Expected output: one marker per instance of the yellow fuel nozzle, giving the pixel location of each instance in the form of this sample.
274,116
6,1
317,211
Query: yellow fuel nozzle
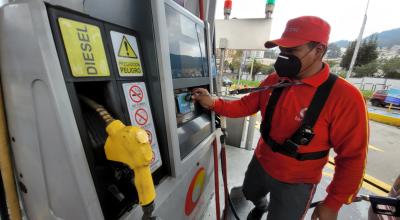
130,145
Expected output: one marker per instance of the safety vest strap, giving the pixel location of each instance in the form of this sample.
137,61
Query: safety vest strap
304,133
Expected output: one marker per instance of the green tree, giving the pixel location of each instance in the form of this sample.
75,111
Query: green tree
331,63
267,69
367,52
342,74
237,55
333,51
257,66
366,70
391,68
346,58
234,66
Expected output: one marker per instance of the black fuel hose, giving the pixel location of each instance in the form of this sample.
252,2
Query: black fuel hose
222,139
263,88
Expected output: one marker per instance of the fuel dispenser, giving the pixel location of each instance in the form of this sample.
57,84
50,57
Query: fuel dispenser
138,59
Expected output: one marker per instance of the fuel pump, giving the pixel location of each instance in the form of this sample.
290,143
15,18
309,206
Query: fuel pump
116,54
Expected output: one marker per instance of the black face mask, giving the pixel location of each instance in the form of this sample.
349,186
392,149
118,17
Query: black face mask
287,65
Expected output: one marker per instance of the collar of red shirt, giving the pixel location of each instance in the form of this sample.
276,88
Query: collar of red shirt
318,78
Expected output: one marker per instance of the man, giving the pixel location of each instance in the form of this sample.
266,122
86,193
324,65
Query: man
289,159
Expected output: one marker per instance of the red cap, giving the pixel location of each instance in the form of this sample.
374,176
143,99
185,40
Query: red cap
302,30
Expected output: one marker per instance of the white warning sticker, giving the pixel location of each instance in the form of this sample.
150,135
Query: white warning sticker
140,114
126,53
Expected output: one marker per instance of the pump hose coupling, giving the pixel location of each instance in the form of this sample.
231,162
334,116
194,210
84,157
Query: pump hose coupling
104,114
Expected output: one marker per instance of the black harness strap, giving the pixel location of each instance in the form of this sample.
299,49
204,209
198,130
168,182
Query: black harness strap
269,112
318,101
290,146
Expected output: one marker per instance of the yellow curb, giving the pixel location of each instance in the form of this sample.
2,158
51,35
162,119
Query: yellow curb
375,181
384,119
375,148
373,189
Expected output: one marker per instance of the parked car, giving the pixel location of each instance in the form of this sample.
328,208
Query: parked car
226,81
378,98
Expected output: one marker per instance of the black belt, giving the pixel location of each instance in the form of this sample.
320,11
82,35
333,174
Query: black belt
290,151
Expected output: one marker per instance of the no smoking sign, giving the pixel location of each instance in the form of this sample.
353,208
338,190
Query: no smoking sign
137,104
141,116
136,94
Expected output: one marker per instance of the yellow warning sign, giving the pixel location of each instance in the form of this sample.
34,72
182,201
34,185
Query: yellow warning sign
126,53
85,50
125,49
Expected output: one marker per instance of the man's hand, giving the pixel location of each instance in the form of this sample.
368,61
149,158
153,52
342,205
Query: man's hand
322,212
203,97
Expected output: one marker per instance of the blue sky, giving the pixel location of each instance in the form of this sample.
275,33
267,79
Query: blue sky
344,16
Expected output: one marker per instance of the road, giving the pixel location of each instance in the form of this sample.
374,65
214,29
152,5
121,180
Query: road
383,152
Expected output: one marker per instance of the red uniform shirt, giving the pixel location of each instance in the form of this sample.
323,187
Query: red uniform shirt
342,125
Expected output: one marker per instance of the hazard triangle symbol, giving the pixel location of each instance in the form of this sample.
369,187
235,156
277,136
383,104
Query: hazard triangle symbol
125,49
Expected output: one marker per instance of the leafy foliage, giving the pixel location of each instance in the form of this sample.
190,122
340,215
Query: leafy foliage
333,51
234,66
259,67
366,70
391,68
367,53
331,63
248,83
267,69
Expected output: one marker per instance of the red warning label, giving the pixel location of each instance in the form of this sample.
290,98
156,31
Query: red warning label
150,136
136,94
141,116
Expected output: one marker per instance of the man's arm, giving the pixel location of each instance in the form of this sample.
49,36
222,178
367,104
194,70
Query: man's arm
247,105
349,134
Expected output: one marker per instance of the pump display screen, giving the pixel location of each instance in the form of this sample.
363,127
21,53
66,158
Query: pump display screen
187,46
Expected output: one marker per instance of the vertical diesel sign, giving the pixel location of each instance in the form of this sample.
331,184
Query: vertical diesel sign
85,50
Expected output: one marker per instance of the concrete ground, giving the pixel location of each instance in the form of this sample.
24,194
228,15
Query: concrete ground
384,152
